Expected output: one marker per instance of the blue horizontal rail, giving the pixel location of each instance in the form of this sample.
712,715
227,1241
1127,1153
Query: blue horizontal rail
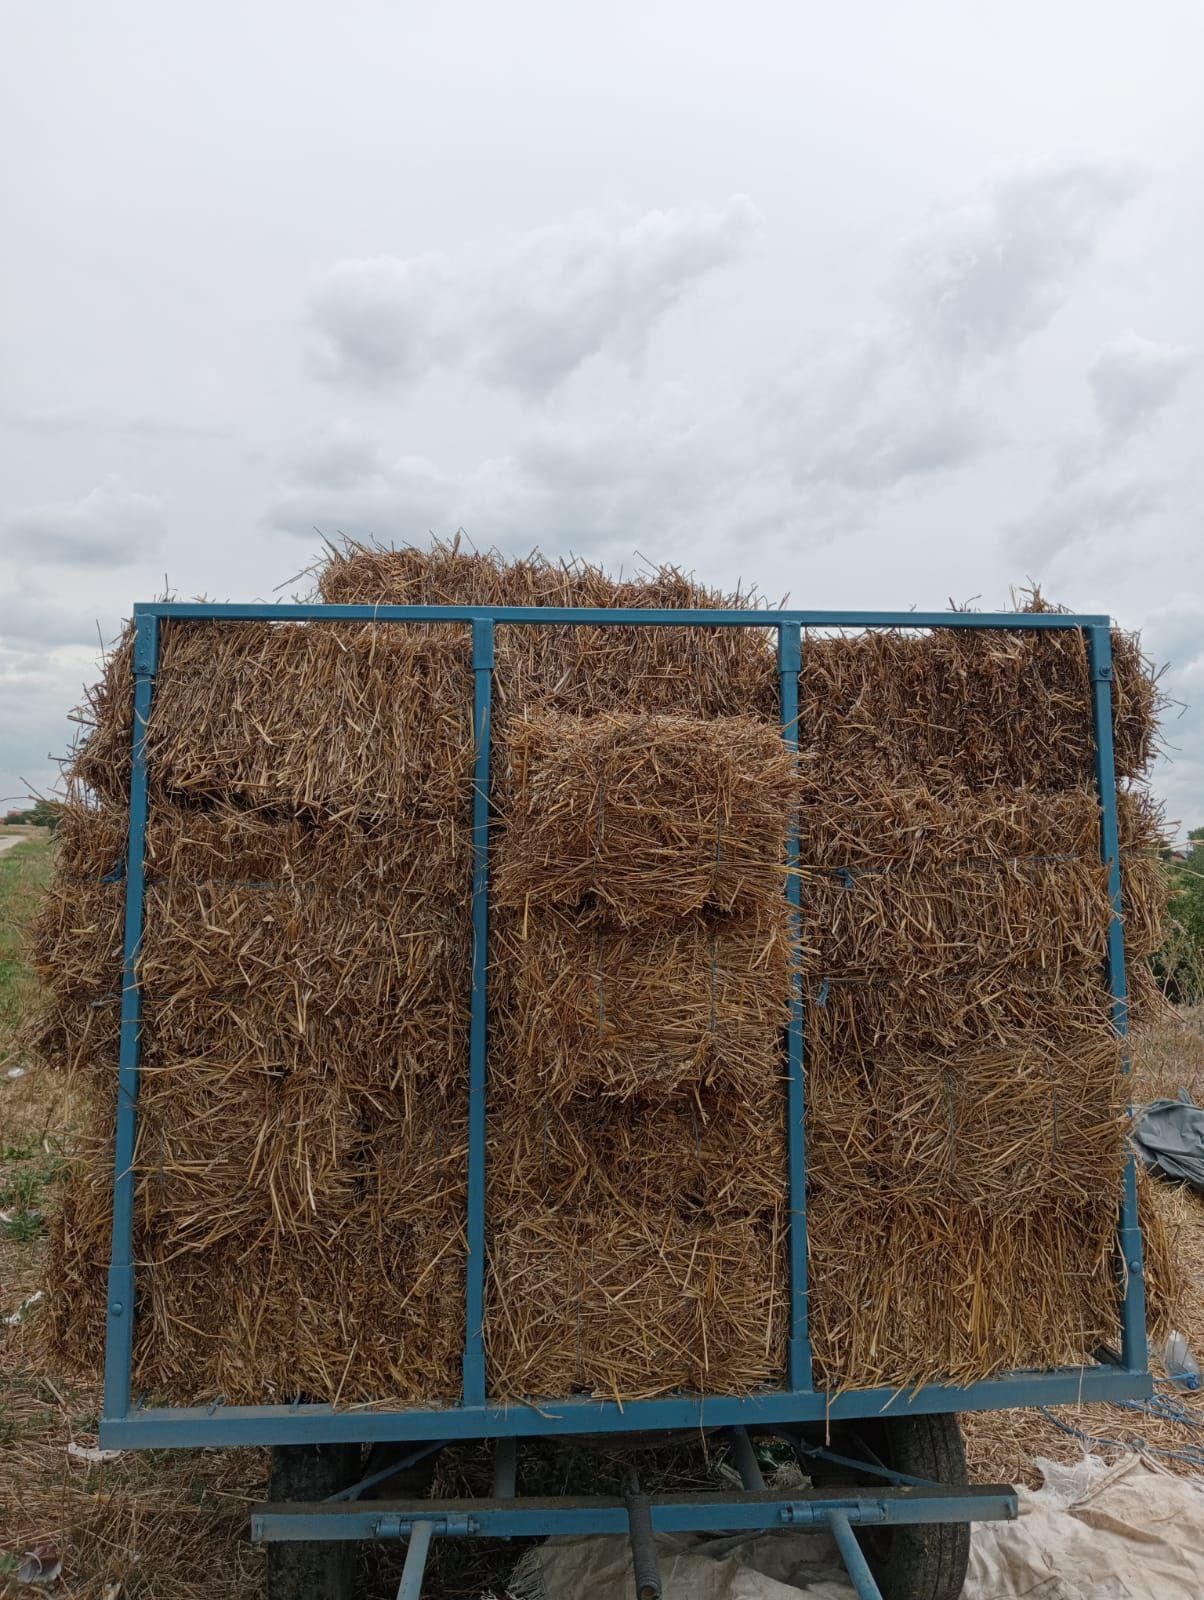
156,1427
580,1515
583,617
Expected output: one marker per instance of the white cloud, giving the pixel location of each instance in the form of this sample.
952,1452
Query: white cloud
111,524
996,268
525,310
1132,380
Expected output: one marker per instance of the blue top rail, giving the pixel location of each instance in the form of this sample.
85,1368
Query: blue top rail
176,610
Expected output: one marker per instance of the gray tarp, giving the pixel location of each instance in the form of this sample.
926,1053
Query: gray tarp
1169,1135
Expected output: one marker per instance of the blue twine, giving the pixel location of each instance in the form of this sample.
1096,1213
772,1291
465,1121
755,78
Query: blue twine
1162,1406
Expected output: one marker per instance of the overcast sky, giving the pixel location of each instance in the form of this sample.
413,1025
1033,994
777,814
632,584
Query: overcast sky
877,304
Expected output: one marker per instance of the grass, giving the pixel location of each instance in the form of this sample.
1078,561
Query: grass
173,1524
32,1138
24,873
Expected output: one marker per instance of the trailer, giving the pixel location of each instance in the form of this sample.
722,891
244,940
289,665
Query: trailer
886,1467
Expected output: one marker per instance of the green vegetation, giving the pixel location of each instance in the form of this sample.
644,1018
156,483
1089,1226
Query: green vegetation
1181,963
24,874
30,1159
42,814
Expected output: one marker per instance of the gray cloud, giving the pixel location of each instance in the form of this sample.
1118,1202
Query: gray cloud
525,310
32,616
39,683
659,475
1132,380
991,271
865,422
1082,513
51,423
1173,634
111,524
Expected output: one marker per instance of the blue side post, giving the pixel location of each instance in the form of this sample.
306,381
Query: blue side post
474,1347
1134,1347
853,1556
416,1557
119,1338
790,663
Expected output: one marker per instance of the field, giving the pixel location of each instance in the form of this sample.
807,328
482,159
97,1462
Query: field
172,1525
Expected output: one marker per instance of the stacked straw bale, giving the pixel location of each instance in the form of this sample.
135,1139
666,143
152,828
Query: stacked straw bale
965,1094
300,1166
307,969
644,972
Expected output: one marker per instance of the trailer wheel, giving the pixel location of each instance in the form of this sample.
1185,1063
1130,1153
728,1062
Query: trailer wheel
926,1561
300,1570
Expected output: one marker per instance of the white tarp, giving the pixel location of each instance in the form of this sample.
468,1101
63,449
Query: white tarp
1093,1531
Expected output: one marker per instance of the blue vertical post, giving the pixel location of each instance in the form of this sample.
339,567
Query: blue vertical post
790,662
119,1335
1099,655
474,1347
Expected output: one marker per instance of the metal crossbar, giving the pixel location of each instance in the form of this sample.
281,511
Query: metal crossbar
126,1427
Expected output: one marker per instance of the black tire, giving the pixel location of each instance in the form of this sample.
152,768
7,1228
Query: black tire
927,1561
301,1570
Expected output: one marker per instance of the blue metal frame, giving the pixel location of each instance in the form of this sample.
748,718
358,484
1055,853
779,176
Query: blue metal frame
126,1427
798,1350
474,1348
1134,1349
885,1506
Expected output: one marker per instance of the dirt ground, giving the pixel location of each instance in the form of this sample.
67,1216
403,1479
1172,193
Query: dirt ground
172,1525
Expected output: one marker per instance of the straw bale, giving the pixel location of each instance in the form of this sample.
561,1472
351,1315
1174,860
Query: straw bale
377,982
280,955
361,1318
335,720
927,926
227,843
635,1303
865,821
79,1254
998,709
75,938
1166,1289
713,1154
72,1034
641,817
868,1019
316,1247
709,672
996,1131
648,1011
905,1293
